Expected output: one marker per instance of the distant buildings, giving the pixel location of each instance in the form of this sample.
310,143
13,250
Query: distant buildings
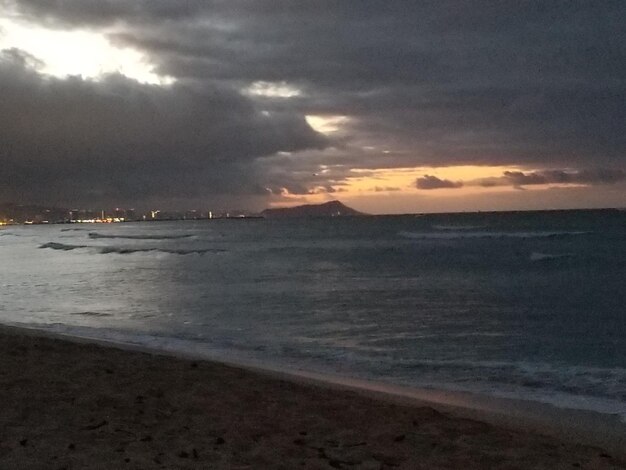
23,214
100,216
198,215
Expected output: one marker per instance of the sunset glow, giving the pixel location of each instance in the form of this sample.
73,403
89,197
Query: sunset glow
326,124
202,104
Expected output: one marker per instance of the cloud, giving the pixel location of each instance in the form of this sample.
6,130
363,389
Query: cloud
432,182
519,179
527,84
118,140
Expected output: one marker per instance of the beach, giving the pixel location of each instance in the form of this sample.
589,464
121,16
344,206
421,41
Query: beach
71,404
515,305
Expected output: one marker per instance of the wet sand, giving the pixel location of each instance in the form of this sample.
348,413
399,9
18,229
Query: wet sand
69,405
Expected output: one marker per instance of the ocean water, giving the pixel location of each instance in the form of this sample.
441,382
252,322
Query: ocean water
520,305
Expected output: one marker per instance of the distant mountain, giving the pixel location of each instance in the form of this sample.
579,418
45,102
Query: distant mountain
328,209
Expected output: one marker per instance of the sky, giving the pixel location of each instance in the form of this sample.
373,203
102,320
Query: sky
390,107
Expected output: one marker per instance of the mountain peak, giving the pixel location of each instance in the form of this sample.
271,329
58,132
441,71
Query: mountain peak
327,209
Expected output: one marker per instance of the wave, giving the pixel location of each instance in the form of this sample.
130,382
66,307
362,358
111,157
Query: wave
536,256
457,227
584,387
62,246
92,314
605,382
460,235
96,235
126,251
599,389
73,229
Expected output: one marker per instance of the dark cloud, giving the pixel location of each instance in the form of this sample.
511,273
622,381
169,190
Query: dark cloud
585,177
533,84
519,179
118,140
432,182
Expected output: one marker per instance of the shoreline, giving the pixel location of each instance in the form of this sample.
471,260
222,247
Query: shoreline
570,426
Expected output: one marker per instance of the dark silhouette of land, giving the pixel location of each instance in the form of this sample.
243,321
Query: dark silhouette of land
328,209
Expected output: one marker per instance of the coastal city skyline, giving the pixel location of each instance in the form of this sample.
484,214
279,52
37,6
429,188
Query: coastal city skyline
430,107
14,214
33,214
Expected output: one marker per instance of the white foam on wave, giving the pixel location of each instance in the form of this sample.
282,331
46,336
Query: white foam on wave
483,234
458,227
62,246
551,383
96,235
203,349
536,256
563,400
92,314
126,251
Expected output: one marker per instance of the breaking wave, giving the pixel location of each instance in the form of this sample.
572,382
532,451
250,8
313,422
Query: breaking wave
460,235
584,387
96,235
92,314
458,227
62,246
536,256
125,251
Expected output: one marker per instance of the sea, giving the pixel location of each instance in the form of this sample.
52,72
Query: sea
523,305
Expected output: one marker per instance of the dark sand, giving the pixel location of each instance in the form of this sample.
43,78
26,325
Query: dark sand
66,405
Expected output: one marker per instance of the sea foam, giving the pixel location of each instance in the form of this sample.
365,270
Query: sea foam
452,235
126,250
95,235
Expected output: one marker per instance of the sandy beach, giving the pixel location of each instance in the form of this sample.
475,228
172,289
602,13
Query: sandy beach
69,405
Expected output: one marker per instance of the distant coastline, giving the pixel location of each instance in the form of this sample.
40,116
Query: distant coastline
19,214
327,209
